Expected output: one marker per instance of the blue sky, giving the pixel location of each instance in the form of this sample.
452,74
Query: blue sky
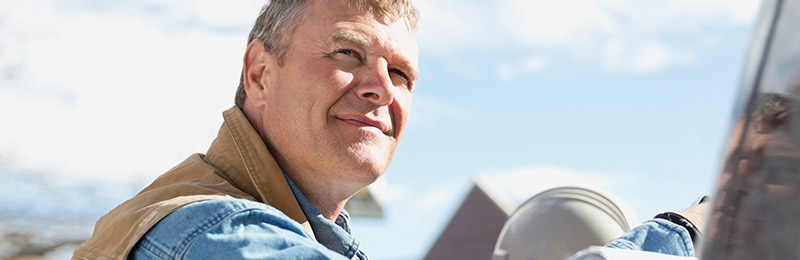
633,96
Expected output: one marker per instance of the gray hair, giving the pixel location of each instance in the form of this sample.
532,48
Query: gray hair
278,18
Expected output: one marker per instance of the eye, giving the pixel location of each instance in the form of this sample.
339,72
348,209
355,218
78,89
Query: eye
399,73
349,53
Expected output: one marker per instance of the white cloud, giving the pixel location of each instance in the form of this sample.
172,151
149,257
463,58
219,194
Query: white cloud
519,184
642,57
512,187
529,65
439,197
551,23
534,64
505,71
388,194
453,25
213,12
114,95
592,31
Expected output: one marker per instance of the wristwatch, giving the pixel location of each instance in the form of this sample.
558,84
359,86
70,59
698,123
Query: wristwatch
679,220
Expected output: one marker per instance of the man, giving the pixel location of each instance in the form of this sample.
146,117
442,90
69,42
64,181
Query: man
322,103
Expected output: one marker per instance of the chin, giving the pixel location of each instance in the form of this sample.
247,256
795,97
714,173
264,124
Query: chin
368,168
367,161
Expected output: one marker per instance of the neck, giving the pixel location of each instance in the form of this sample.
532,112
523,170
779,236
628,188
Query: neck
329,202
328,197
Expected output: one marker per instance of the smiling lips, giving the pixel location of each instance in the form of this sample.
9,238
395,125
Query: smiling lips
360,120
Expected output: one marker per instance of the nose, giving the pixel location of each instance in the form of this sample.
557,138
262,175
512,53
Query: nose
377,87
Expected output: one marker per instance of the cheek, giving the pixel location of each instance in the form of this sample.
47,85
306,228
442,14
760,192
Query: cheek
325,89
330,87
335,75
400,110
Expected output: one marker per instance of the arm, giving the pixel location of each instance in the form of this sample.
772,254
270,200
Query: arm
662,236
229,229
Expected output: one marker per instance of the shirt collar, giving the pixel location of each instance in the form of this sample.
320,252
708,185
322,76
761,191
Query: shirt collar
333,235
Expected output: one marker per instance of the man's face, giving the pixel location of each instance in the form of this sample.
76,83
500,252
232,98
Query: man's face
338,105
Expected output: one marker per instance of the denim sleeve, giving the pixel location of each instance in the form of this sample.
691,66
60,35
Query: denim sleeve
229,229
658,236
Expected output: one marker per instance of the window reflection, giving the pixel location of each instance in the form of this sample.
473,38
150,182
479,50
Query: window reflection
756,208
757,203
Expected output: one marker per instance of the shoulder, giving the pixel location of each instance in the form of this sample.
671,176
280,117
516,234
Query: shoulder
203,215
224,228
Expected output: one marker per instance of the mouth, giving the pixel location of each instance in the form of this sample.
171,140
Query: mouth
363,121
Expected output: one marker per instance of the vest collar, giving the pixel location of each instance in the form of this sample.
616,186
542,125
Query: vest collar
243,158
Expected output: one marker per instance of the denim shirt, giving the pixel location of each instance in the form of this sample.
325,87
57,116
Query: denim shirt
658,236
243,229
334,235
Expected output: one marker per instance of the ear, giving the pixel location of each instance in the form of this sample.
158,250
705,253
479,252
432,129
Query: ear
258,63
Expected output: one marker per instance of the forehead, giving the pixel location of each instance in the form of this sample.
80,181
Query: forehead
336,20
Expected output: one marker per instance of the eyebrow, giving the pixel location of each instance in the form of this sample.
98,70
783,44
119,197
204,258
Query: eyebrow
353,38
362,41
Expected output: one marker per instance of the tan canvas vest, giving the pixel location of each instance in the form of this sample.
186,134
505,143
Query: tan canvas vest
236,166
